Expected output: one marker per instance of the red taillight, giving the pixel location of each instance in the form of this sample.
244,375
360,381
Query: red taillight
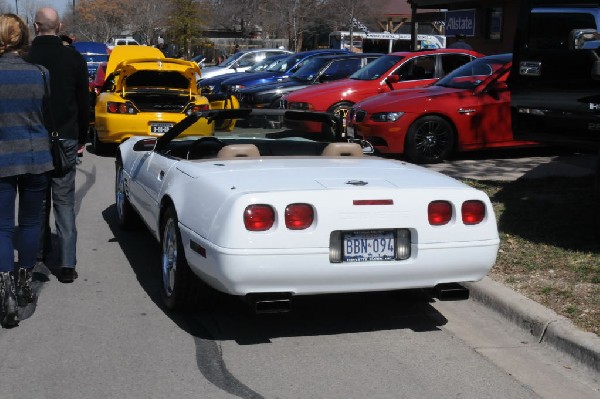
197,108
299,216
439,212
120,108
473,212
259,217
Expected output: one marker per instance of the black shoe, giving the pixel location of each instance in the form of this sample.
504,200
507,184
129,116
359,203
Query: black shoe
8,301
67,274
23,286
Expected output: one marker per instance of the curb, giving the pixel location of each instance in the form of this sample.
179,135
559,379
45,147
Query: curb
541,322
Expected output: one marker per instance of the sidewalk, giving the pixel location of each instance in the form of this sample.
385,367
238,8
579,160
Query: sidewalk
543,323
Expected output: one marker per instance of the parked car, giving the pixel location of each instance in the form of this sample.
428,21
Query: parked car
199,59
316,70
276,73
147,96
240,61
468,109
94,54
394,71
267,213
99,77
122,41
213,85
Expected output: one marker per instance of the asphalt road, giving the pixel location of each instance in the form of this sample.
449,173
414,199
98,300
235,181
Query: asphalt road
107,335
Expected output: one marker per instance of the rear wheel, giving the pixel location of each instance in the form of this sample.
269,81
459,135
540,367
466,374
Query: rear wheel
181,288
429,140
98,147
126,215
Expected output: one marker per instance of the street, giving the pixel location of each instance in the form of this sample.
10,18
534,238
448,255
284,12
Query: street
107,335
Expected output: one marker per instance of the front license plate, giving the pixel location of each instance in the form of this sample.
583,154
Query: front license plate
363,246
160,128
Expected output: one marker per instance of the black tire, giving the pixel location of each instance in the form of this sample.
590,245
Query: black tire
430,139
127,218
98,147
181,289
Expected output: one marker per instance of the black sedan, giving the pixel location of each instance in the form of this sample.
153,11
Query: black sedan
317,70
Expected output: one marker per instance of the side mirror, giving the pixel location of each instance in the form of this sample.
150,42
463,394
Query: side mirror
498,86
495,88
579,37
145,145
392,79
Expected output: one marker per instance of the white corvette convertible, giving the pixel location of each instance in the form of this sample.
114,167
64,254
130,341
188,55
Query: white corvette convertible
267,213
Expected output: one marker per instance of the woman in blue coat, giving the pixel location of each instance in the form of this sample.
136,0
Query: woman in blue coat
25,161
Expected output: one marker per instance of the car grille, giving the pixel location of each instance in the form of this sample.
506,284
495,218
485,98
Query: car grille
360,116
245,98
283,104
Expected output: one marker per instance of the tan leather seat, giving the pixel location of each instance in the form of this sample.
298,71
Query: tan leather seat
238,151
342,150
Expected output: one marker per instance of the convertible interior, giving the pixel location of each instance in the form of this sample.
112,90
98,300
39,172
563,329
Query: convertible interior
251,134
212,147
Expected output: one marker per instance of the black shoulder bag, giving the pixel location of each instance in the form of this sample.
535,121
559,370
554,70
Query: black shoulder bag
61,162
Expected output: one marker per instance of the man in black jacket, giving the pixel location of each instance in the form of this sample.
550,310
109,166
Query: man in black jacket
68,115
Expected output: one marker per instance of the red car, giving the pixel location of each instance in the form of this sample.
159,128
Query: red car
469,109
394,71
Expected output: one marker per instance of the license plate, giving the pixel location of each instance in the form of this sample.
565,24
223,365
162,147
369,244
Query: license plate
363,246
160,128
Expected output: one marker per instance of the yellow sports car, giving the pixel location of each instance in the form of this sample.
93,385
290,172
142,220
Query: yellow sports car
147,96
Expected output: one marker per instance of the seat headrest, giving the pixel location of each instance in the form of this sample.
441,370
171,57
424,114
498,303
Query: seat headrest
342,150
238,151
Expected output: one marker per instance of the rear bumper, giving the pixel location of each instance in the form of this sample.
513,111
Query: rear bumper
306,271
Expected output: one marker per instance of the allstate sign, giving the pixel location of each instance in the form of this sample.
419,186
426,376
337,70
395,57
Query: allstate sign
460,21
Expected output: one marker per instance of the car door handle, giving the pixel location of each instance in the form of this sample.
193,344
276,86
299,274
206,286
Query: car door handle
530,68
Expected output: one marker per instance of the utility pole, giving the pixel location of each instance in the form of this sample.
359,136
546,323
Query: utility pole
17,7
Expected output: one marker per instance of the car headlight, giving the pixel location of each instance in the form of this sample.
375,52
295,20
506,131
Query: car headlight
300,106
234,88
386,116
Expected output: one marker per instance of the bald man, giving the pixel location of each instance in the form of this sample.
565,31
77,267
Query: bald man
68,115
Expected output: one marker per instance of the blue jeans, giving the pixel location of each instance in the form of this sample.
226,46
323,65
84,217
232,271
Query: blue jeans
61,196
32,190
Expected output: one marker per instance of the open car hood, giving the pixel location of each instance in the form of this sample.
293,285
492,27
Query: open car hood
168,73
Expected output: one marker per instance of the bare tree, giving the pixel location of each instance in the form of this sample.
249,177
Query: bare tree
294,17
147,18
97,20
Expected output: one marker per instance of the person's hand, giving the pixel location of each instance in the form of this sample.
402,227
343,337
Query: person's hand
80,149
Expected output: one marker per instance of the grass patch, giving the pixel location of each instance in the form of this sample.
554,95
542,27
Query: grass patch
548,250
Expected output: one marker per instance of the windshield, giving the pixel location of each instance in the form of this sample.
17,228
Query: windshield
284,64
229,61
377,68
264,64
95,57
273,132
310,69
473,73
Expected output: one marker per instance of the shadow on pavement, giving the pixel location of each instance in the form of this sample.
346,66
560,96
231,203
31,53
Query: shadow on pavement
311,315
